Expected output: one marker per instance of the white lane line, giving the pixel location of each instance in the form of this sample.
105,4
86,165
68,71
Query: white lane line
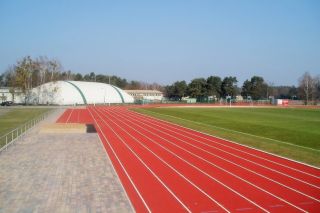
171,167
243,158
239,132
125,171
210,153
214,147
114,169
151,171
187,162
69,116
230,173
78,118
181,128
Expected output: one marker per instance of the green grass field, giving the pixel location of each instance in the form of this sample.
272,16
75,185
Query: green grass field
289,132
12,118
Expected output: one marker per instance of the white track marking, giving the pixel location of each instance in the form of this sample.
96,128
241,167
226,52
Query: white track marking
114,169
78,118
151,171
267,192
288,187
191,138
69,116
172,125
171,167
125,171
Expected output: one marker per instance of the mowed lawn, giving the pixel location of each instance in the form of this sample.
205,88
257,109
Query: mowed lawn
289,132
14,117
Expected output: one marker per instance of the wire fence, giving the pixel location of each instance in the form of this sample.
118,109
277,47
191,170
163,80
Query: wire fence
15,134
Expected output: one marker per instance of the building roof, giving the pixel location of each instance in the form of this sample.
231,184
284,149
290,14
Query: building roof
78,92
144,91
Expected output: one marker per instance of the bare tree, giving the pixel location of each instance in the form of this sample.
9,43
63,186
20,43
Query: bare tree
316,81
55,68
307,87
43,63
23,73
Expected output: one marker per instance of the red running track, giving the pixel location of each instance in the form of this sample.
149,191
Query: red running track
75,115
168,168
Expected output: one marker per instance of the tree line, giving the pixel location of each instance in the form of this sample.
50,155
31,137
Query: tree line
201,88
29,72
215,87
255,88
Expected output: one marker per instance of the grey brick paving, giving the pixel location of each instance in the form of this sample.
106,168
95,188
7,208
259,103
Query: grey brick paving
59,173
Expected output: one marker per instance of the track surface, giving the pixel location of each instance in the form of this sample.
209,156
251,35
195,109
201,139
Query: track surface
168,168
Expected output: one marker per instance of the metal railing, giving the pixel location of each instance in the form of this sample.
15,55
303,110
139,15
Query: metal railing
15,134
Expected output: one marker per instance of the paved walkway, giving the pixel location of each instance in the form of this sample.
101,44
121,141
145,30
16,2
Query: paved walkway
59,173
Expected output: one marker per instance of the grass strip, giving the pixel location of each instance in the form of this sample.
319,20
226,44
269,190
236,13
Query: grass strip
17,117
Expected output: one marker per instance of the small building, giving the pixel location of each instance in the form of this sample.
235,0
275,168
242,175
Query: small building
151,95
281,102
6,94
189,100
240,98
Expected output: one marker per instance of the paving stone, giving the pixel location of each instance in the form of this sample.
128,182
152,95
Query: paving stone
59,173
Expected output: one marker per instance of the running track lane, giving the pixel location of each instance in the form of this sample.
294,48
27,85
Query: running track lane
265,159
135,175
75,115
213,189
64,117
278,192
184,170
189,191
245,150
278,176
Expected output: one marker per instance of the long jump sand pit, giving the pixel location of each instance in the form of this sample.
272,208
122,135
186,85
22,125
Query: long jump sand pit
64,128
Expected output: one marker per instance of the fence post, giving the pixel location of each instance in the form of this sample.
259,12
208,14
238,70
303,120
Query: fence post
22,130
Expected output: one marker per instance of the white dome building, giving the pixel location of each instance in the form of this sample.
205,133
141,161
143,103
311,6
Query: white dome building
78,92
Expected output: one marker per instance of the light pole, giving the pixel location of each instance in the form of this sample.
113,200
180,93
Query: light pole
109,87
229,97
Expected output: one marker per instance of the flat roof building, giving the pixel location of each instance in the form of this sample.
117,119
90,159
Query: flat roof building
6,94
152,95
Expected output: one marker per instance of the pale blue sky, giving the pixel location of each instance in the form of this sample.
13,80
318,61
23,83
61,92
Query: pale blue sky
165,41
